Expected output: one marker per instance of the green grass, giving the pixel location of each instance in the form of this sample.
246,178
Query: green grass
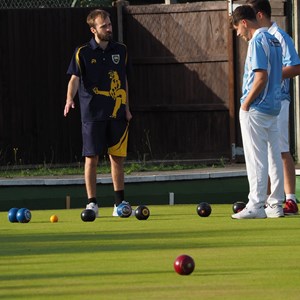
114,258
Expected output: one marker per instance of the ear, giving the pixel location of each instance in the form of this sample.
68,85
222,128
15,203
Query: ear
244,22
259,15
93,30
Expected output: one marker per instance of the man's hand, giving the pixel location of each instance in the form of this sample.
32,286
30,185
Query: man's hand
69,104
244,107
128,114
71,92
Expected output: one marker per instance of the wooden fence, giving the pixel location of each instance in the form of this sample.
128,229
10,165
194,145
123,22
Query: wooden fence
184,90
180,96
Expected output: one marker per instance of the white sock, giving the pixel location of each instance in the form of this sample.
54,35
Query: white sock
290,197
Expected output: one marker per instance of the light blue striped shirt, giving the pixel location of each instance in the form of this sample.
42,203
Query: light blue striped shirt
264,53
289,56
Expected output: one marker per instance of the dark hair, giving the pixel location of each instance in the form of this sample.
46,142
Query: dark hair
243,12
263,6
94,14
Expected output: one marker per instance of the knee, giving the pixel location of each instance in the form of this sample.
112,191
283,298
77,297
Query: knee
117,160
91,161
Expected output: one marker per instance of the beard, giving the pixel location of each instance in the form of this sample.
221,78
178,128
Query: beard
245,39
104,37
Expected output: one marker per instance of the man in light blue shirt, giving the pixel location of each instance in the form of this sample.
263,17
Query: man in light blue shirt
268,100
260,105
291,68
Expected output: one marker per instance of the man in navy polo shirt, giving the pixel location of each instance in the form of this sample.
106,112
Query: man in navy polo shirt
98,72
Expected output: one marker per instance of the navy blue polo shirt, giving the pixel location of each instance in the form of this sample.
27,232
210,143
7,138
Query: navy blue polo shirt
102,73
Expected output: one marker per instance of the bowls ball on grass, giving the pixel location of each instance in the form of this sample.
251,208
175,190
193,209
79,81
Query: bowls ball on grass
204,209
184,264
88,215
124,210
12,215
238,206
23,215
142,212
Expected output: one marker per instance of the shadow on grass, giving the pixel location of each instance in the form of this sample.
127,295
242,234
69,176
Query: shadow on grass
107,273
79,242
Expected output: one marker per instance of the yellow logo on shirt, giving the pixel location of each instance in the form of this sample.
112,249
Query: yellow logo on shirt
118,94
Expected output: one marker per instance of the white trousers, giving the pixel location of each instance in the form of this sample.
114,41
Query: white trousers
283,126
262,155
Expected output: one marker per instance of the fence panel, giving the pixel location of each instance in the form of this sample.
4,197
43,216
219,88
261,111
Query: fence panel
36,48
180,94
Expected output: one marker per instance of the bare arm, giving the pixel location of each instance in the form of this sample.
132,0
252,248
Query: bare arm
260,80
71,92
290,71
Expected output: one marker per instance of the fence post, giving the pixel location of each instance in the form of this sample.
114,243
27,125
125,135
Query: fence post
68,202
119,4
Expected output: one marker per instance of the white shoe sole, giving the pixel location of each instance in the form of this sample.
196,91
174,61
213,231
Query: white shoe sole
249,214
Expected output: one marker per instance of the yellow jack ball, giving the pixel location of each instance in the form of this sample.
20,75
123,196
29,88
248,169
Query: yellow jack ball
53,219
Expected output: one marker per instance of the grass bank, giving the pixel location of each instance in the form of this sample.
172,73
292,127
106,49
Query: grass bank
103,168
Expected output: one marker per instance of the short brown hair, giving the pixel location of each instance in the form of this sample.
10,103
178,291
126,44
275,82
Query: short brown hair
263,6
243,12
94,14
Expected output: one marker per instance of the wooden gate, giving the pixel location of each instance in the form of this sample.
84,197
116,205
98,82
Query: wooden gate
180,93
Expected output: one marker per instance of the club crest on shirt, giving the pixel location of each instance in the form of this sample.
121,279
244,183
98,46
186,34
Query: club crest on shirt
115,58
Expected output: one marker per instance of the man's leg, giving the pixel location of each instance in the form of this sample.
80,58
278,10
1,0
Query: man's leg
289,173
287,160
90,175
291,206
276,196
254,135
117,173
117,151
255,141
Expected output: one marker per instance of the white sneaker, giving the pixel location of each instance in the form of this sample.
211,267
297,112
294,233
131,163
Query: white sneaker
93,206
250,213
115,211
275,211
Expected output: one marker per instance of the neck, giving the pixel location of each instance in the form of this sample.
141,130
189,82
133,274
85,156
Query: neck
265,23
102,44
253,28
